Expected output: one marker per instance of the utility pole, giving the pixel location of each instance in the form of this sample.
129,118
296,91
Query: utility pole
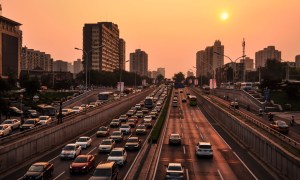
244,70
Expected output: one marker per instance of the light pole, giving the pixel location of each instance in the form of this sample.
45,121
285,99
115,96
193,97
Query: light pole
120,83
86,63
233,64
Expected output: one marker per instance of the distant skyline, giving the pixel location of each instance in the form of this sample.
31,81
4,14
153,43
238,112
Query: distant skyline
170,32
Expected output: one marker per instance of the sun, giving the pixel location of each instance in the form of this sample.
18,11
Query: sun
224,16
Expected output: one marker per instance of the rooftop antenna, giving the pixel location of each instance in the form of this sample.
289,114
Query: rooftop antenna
244,71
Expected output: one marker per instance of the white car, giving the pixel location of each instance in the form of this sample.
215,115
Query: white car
117,136
138,106
13,123
119,155
204,149
106,145
70,151
175,139
125,128
84,141
77,109
45,120
4,130
174,171
66,112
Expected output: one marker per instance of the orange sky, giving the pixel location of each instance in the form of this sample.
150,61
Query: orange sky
170,31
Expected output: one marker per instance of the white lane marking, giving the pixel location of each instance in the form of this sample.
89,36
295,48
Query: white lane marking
54,158
59,175
92,150
197,126
245,165
187,174
182,135
201,136
183,149
181,125
220,174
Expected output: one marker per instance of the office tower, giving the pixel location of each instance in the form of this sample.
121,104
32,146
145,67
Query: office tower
139,62
248,62
77,65
34,59
269,53
122,56
60,65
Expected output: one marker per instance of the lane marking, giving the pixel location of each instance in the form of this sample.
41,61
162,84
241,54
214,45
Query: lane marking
187,174
59,175
197,126
181,125
92,150
54,158
183,149
201,136
182,135
220,174
245,165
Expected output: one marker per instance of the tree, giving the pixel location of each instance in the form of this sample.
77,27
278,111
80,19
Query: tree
179,77
272,74
160,78
32,86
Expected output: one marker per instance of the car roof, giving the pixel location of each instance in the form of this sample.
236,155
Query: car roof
71,144
105,165
175,164
175,134
83,155
118,149
41,163
204,143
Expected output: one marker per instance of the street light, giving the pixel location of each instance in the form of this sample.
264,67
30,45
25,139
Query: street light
233,63
86,62
121,78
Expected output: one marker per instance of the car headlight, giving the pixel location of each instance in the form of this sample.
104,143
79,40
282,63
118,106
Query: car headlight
83,167
71,167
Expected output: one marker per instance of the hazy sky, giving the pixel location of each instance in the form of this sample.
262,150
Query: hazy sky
170,31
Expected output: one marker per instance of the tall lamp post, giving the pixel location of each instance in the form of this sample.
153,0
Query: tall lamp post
86,63
233,64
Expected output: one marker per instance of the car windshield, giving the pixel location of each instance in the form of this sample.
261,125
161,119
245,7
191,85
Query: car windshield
141,127
281,123
7,122
132,140
43,118
174,168
102,172
116,133
68,148
115,153
106,143
82,140
103,129
175,136
115,120
125,126
36,168
123,116
205,146
80,160
29,122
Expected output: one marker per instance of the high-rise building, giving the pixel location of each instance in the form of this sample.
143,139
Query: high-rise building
60,65
297,60
269,53
33,59
161,71
208,60
10,47
77,66
248,62
139,62
101,46
122,54
70,67
189,74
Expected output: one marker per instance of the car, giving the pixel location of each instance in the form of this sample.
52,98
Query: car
234,104
117,136
123,118
204,149
84,106
115,123
280,126
130,113
45,120
140,114
145,110
138,106
133,143
31,113
107,170
183,100
39,170
67,111
102,131
84,141
106,145
174,103
14,111
153,114
5,130
131,122
29,124
174,171
12,123
77,109
157,109
140,129
119,155
82,164
174,139
125,128
70,151
147,121
93,104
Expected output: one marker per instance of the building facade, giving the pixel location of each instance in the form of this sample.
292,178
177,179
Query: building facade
262,56
101,46
77,65
297,60
122,54
208,60
161,71
60,66
249,63
33,59
139,62
10,47
189,74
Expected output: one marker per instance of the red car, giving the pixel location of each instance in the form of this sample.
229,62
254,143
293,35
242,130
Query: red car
82,164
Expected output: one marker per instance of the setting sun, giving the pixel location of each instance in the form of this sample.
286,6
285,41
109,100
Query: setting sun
224,16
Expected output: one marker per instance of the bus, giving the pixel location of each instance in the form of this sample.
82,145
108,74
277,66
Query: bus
105,96
149,103
47,110
193,100
246,86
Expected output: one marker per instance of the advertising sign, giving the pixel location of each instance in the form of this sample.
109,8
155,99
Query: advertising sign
120,86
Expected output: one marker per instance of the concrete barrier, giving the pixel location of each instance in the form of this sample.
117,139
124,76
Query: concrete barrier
277,158
24,149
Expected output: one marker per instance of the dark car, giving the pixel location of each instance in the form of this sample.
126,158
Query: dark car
102,131
123,118
131,122
82,164
39,170
31,113
108,170
29,124
133,143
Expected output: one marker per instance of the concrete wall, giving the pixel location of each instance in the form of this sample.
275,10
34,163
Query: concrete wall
277,158
24,149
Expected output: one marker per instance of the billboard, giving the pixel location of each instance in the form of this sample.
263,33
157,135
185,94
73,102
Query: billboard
120,86
212,83
144,82
196,82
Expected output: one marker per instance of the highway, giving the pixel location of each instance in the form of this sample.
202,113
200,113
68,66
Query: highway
193,126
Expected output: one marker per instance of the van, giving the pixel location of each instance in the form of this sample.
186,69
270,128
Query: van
108,170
